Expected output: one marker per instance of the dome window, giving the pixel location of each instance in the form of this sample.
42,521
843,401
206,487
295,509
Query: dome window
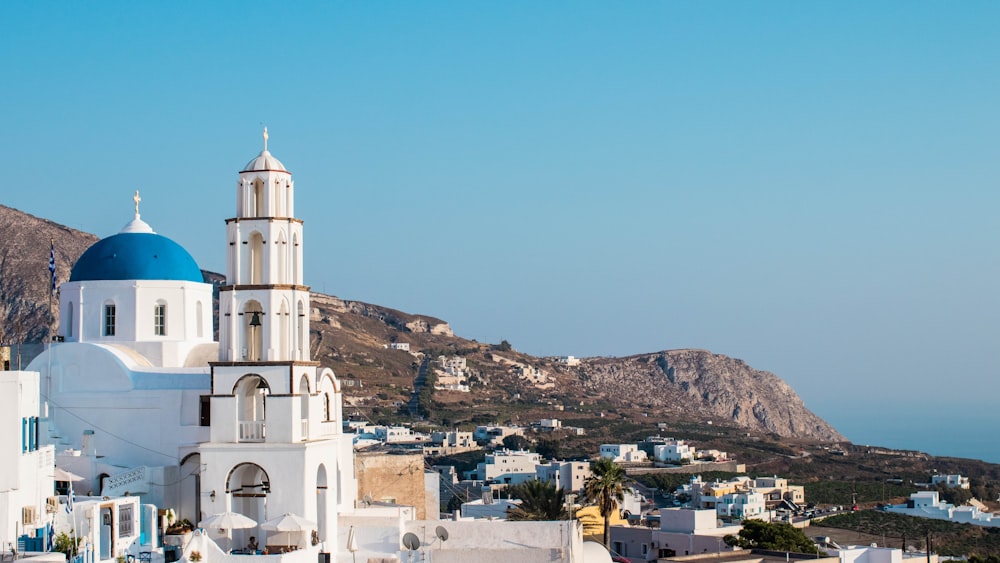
160,319
109,319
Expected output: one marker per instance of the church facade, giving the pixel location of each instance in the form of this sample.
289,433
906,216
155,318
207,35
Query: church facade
143,401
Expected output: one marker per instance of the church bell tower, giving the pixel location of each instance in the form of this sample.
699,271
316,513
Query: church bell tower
275,444
265,305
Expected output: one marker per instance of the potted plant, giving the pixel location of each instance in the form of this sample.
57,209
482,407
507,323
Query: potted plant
180,527
194,556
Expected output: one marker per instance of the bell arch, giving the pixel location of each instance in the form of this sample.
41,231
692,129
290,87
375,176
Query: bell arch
253,331
251,392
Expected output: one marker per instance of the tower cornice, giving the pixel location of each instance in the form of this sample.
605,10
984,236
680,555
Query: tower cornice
242,287
239,219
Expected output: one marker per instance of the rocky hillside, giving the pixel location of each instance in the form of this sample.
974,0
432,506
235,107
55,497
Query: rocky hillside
24,271
708,385
354,339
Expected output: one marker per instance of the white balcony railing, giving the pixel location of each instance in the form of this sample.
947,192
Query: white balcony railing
251,431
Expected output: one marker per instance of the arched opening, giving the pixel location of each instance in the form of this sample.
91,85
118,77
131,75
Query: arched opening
190,489
300,329
251,391
295,259
257,205
328,391
304,405
253,331
321,501
248,486
281,254
256,258
231,259
284,352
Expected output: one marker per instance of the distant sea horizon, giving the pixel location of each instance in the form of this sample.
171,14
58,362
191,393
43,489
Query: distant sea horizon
943,431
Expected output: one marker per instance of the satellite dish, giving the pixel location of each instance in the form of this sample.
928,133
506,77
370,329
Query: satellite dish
411,541
441,533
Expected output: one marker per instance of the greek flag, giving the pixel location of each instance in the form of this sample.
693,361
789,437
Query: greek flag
52,264
69,499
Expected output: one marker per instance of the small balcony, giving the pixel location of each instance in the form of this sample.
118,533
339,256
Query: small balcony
251,431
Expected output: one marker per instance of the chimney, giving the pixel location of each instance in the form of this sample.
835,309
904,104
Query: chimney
88,443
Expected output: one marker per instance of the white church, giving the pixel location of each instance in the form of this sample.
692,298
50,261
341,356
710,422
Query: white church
139,400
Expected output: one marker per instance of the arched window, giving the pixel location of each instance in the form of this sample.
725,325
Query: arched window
199,319
110,319
295,259
281,257
304,403
256,259
284,352
300,323
258,198
327,391
160,319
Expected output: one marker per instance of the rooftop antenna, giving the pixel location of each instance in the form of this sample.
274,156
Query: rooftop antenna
442,534
411,542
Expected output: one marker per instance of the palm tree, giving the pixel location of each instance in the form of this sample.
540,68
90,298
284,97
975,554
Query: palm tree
540,500
606,488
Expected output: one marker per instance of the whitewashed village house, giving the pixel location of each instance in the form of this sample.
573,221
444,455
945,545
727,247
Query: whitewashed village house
26,481
623,453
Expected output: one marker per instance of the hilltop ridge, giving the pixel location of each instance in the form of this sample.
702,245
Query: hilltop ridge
354,338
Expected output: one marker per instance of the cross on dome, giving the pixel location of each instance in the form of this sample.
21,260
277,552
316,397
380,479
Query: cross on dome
265,161
137,225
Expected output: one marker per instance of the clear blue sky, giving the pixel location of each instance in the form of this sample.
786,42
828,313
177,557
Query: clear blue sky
808,186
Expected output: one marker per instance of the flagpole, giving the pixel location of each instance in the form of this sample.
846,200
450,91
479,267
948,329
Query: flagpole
52,320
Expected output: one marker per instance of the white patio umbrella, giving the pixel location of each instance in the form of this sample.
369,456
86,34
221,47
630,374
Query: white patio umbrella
288,523
352,544
63,475
228,521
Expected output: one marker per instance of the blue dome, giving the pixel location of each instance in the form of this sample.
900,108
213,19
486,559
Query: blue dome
136,256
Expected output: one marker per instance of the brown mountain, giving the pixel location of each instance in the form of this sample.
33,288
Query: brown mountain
353,338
